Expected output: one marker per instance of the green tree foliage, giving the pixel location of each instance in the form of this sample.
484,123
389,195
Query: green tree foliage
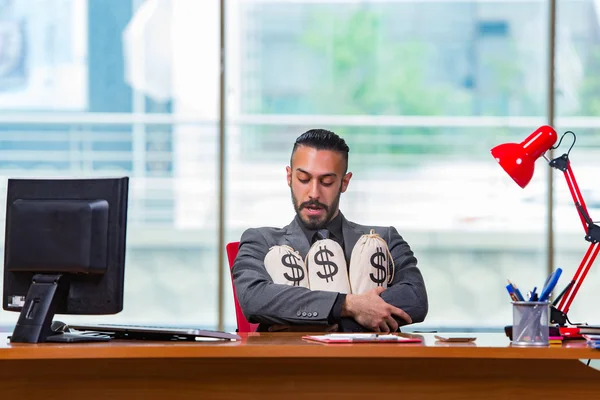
363,71
589,91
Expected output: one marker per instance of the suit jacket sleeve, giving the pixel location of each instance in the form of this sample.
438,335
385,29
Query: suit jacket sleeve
407,290
263,301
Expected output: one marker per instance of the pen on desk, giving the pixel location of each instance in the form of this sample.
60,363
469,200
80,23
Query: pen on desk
565,290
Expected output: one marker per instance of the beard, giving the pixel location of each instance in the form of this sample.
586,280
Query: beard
316,221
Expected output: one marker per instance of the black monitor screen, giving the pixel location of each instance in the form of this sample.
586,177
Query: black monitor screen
58,236
74,229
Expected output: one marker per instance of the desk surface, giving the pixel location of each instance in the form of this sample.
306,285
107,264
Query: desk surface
291,345
276,365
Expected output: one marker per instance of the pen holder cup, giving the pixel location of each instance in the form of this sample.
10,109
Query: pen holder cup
531,321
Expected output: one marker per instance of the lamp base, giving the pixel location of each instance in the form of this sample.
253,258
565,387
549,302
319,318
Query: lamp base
557,317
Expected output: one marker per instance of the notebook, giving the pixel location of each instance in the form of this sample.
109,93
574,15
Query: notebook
589,329
361,338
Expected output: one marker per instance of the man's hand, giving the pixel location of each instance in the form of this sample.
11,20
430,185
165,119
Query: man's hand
372,312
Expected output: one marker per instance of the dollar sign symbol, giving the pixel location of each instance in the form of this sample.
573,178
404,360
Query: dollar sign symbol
377,260
322,258
290,261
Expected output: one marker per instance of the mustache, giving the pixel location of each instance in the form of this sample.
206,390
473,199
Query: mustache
313,203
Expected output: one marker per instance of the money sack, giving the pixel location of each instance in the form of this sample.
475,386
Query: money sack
326,267
286,267
371,264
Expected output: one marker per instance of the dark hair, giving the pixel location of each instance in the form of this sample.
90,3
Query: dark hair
322,139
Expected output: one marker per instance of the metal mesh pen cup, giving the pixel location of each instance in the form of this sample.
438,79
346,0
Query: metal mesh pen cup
531,320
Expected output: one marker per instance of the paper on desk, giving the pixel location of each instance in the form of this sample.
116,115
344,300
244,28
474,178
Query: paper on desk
361,338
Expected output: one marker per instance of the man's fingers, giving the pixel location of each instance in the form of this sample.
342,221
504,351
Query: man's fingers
400,313
383,327
391,323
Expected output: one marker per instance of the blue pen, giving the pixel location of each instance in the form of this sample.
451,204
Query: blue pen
519,295
511,292
550,284
517,291
533,294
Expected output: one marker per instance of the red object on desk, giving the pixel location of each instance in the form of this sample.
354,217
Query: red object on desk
518,161
570,332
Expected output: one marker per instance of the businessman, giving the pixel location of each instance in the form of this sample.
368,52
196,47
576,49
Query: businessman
317,176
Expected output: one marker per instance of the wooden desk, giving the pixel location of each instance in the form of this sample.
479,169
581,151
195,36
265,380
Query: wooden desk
283,366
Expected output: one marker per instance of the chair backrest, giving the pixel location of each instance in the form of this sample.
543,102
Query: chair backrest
242,322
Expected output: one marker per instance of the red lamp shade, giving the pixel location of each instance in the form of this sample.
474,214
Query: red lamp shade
518,159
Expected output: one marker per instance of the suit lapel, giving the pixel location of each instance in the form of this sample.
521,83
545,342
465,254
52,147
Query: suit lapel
351,235
296,239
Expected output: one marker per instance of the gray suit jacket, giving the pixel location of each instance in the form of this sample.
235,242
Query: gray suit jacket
267,303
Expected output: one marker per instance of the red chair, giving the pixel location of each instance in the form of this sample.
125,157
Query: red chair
242,322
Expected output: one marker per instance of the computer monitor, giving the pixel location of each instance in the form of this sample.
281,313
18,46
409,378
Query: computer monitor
64,252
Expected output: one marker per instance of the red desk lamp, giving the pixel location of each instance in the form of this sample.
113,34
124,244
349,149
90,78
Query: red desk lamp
518,161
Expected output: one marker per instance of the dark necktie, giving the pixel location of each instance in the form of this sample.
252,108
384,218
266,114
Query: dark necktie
321,234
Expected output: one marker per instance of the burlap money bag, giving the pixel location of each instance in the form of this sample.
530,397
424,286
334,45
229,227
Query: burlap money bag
286,267
371,264
326,266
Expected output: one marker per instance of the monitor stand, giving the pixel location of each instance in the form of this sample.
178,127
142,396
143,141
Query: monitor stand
34,325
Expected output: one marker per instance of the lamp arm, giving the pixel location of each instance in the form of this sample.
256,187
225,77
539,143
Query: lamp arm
579,277
592,231
563,164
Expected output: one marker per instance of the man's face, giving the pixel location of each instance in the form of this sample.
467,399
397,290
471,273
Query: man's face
316,179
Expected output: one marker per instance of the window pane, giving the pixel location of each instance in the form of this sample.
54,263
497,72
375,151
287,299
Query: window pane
577,99
115,87
421,91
